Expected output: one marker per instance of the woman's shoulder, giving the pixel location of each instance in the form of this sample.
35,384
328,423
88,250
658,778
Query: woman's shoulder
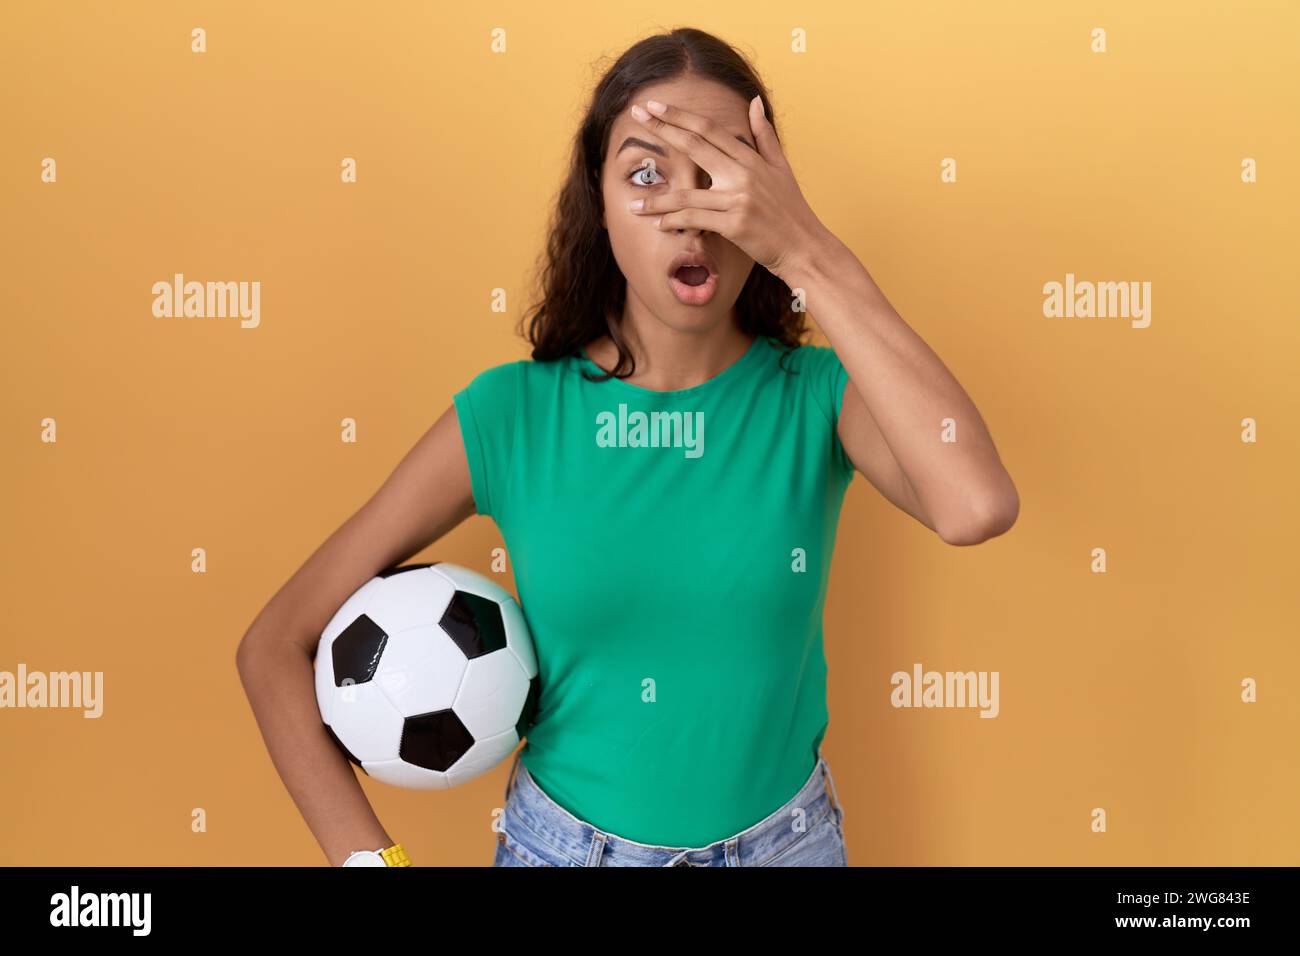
504,375
819,372
517,374
805,357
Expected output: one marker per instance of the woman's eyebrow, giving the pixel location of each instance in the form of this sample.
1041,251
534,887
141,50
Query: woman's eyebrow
633,141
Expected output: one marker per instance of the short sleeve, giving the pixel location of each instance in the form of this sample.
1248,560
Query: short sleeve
486,409
827,378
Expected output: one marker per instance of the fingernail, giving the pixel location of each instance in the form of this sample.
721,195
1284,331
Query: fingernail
639,113
654,106
636,204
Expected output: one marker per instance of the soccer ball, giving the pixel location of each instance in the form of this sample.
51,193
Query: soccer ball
426,676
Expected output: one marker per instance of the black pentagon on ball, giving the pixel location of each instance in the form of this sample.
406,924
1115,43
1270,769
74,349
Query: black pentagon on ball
528,715
356,651
474,623
347,753
434,741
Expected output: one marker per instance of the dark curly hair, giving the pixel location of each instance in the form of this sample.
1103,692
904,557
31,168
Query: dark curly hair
582,288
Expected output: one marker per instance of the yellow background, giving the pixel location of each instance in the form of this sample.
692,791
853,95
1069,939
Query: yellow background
1118,690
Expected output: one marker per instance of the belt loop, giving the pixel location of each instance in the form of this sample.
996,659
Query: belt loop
835,797
597,848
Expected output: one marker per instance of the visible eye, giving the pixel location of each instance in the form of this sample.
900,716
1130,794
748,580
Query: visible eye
645,169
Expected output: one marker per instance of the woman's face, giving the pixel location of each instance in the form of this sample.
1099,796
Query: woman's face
644,252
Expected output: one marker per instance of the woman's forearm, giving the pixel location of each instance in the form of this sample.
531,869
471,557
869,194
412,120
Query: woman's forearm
279,679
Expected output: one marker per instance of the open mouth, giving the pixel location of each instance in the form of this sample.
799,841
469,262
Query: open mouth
693,277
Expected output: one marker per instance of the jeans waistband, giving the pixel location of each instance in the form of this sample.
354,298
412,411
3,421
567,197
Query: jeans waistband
584,844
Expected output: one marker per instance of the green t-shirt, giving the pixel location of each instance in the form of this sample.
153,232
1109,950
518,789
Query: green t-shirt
673,569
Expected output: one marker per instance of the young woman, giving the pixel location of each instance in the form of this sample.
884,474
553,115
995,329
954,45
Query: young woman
667,473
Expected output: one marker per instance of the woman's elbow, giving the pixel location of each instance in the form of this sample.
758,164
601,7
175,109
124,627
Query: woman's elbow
994,516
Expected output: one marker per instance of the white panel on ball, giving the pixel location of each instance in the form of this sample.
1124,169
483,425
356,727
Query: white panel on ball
421,670
352,609
366,721
489,698
399,773
409,599
482,757
465,580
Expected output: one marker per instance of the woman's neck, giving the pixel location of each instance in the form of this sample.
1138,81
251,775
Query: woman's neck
668,359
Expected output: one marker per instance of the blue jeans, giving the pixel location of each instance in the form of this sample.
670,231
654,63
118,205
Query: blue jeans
536,831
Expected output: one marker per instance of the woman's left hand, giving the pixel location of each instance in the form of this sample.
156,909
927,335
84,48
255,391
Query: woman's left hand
753,199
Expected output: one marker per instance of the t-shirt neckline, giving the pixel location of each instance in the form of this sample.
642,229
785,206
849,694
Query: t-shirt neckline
729,372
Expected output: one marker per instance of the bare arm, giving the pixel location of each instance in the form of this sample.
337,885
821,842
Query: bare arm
899,394
426,496
872,458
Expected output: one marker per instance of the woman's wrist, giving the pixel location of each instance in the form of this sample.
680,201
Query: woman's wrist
394,855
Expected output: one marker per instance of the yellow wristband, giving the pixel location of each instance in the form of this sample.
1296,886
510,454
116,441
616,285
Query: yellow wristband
395,855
